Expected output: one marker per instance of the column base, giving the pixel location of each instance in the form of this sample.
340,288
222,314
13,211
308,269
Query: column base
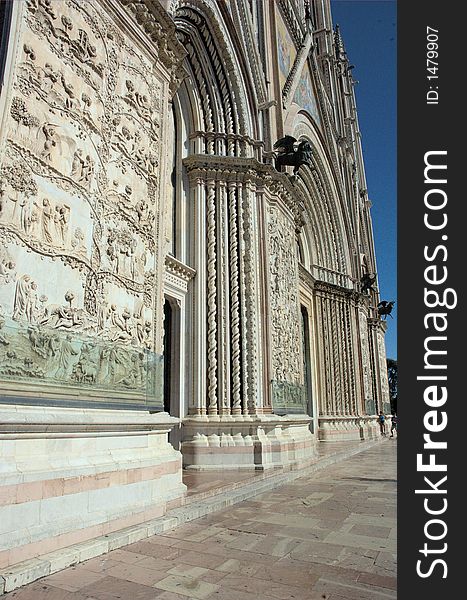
254,442
341,429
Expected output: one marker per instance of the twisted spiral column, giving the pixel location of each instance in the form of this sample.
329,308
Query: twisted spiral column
223,308
211,298
235,304
243,300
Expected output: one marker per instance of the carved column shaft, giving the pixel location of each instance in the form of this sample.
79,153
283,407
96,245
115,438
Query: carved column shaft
223,299
243,299
199,358
265,401
212,386
251,296
234,301
321,370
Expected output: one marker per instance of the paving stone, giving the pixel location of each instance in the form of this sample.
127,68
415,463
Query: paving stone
187,586
113,588
328,535
73,580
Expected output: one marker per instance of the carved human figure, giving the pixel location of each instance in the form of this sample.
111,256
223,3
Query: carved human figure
47,220
147,334
86,50
140,157
130,89
87,172
2,197
21,297
65,357
48,77
69,91
78,241
61,219
102,315
143,103
134,374
7,271
85,370
86,100
139,321
141,209
24,213
39,342
77,164
50,141
114,317
115,358
66,317
31,304
43,310
35,219
152,163
121,327
3,338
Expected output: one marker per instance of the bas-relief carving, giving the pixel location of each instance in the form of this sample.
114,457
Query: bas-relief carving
57,358
78,193
288,389
366,366
383,369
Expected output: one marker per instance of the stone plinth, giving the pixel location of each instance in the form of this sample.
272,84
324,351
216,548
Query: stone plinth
347,428
247,442
71,475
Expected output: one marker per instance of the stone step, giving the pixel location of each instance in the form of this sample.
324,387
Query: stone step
194,507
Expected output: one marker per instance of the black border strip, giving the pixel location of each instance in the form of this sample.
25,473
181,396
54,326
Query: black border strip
423,128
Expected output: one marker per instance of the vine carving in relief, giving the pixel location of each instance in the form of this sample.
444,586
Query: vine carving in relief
79,189
285,323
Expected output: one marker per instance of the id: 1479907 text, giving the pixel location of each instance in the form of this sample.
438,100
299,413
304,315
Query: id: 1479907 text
432,95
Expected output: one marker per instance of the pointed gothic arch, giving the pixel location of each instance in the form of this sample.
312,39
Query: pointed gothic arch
326,224
222,93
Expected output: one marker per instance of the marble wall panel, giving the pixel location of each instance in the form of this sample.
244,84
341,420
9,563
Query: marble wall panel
287,371
79,193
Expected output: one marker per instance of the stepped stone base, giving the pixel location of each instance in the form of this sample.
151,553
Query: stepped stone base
71,475
247,442
340,429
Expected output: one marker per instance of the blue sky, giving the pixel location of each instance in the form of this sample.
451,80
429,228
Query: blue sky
369,31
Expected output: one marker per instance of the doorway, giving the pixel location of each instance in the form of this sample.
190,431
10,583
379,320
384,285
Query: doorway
172,366
307,364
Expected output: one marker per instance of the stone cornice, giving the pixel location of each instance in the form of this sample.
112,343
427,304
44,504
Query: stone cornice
275,185
306,276
323,287
22,419
179,269
378,324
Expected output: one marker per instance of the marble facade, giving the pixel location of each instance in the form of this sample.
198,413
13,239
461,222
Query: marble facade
157,272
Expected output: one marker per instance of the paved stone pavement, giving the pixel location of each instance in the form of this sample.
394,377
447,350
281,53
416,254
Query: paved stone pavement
330,535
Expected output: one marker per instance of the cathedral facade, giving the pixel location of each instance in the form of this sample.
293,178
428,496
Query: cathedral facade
187,268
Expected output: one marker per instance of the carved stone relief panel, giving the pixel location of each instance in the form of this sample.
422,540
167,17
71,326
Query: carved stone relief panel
383,369
79,197
366,366
288,381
